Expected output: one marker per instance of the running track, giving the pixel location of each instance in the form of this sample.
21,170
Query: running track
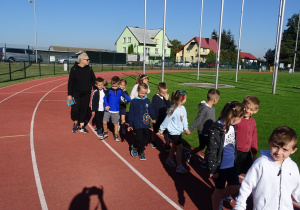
46,166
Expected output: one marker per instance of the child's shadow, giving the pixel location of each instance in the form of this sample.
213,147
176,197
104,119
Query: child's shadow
82,200
198,191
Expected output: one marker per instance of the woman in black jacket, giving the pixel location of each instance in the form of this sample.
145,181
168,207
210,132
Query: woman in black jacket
81,81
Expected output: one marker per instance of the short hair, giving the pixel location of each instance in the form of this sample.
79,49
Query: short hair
81,56
115,80
212,94
100,79
142,86
123,80
162,85
251,100
282,136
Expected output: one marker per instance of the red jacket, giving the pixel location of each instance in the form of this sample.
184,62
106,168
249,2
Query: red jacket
246,135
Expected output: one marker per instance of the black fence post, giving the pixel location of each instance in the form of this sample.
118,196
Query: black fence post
54,68
9,67
24,70
40,70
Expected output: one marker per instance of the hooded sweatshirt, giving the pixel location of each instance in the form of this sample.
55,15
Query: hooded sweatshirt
271,184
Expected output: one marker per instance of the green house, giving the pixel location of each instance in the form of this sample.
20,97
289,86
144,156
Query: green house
135,36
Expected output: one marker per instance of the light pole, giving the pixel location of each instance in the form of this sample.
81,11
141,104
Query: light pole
30,1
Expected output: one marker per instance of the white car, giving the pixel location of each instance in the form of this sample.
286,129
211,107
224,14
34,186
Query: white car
183,64
68,59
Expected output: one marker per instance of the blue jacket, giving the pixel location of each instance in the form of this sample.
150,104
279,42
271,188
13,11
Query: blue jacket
112,99
140,112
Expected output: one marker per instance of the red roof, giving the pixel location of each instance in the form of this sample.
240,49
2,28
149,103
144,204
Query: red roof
205,43
247,56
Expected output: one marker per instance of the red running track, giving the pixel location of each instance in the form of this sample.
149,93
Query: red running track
46,166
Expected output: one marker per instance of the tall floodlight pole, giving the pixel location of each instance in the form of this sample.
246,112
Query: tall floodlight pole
163,44
278,47
219,44
34,29
238,55
144,54
296,45
277,36
199,47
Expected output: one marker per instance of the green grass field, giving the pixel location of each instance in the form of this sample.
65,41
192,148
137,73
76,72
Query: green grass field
275,110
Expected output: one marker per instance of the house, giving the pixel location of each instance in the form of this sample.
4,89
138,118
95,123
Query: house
189,52
135,36
248,57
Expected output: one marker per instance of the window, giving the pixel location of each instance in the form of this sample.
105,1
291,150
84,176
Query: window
156,50
204,50
129,39
124,39
192,58
188,50
124,49
165,51
147,50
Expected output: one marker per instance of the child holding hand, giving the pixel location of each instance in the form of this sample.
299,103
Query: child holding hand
221,152
176,122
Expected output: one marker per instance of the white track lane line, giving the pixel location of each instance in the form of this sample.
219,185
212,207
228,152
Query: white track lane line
138,173
29,88
33,157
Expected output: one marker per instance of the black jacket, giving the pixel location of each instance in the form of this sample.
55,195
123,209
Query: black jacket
214,151
96,99
81,79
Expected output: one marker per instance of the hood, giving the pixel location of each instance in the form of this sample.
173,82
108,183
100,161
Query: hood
266,154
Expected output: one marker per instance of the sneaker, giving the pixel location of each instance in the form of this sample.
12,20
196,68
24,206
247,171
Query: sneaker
181,169
101,137
142,156
203,164
133,151
168,147
116,138
188,156
227,199
171,162
96,128
221,205
105,134
153,144
83,130
75,128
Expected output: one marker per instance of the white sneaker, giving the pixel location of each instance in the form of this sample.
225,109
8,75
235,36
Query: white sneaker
181,169
171,163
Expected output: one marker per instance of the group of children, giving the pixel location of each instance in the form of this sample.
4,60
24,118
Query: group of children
231,140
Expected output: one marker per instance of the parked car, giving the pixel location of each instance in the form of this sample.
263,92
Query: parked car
167,63
18,54
183,64
211,65
68,59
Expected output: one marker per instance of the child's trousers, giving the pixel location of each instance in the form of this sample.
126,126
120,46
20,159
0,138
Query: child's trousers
141,139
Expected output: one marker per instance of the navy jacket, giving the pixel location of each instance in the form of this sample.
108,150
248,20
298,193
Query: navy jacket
140,112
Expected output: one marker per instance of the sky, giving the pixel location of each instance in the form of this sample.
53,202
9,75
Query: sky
99,23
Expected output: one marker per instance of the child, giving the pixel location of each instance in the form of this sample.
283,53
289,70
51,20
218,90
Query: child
123,103
221,152
205,118
142,78
246,136
160,103
112,105
97,105
274,177
140,112
176,122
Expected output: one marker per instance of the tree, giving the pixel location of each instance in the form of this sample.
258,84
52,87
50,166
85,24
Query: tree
176,46
214,35
211,57
270,56
288,42
130,49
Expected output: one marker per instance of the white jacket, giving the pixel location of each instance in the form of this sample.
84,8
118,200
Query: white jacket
271,184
